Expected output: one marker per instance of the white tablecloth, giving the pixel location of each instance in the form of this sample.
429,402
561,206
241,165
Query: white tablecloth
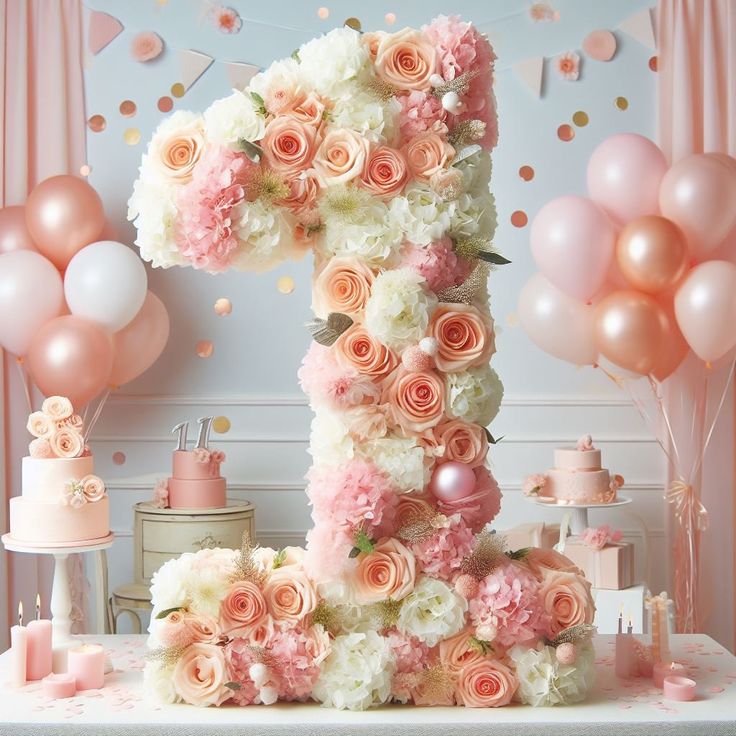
635,707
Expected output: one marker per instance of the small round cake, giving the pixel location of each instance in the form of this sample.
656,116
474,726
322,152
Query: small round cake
196,482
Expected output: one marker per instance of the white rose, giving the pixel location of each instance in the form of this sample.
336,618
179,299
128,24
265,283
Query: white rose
421,215
403,460
284,74
159,682
474,395
330,64
232,118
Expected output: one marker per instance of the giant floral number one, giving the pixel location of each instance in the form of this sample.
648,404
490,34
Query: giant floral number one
372,150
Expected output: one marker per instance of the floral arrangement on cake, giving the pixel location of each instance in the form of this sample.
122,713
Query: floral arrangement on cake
373,151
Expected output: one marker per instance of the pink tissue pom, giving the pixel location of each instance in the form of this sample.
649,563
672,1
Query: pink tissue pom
146,46
226,20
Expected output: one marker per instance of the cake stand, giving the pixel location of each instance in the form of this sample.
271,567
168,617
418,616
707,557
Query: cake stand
578,512
61,601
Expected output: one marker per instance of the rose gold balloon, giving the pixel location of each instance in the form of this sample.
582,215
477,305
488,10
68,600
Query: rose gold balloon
64,213
674,347
652,253
628,330
14,233
72,357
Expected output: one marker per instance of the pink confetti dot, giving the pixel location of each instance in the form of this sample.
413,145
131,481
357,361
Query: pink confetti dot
323,13
390,18
715,689
204,348
118,458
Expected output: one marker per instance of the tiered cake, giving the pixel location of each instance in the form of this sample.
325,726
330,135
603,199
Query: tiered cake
62,501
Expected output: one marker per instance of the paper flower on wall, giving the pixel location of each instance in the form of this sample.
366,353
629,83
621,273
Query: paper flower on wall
568,66
146,46
226,20
543,13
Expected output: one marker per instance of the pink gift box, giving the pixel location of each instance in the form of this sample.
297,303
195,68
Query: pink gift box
532,535
611,567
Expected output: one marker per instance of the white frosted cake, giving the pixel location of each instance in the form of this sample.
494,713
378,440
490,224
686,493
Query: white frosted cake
62,501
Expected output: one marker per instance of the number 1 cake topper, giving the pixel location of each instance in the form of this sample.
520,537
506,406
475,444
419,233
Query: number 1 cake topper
182,428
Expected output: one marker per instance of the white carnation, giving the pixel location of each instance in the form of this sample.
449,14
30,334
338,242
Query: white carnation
331,63
403,460
284,74
159,682
265,236
231,118
474,395
357,673
369,116
421,215
329,441
399,308
432,611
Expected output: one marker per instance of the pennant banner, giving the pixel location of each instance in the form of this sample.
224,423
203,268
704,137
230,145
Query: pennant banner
193,65
639,26
103,28
531,71
239,73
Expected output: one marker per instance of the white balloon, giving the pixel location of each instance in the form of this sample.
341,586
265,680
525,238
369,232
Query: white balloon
106,283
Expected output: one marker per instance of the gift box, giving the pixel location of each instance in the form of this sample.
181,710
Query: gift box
532,535
611,567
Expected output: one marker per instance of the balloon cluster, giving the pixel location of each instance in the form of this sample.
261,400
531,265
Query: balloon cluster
75,308
630,274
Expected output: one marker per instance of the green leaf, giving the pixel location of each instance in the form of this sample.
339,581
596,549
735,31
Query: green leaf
233,685
259,102
491,439
279,559
167,611
295,56
480,645
354,552
363,542
519,554
495,258
252,150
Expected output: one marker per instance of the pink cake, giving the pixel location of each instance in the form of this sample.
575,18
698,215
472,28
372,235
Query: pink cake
61,501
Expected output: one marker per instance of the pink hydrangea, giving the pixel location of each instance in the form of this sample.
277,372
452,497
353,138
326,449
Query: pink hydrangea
411,654
327,552
482,506
419,111
240,656
532,485
161,494
437,263
297,653
507,609
442,554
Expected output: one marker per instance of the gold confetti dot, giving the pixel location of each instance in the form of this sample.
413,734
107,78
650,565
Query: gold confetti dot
323,13
97,123
285,284
580,119
223,307
654,63
85,170
132,136
221,425
390,18
526,173
353,23
204,348
177,89
621,103
565,132
118,458
127,108
519,218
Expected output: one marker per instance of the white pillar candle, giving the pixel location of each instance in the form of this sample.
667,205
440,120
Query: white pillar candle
18,644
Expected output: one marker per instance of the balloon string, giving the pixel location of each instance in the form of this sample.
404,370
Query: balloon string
96,415
24,382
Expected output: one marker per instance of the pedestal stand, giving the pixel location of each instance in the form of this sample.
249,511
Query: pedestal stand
578,512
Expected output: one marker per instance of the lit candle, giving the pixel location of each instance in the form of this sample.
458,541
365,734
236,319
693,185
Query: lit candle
665,669
626,661
59,686
18,643
679,688
621,619
86,664
38,649
630,626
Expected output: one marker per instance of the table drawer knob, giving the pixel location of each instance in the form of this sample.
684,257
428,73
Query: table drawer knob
208,541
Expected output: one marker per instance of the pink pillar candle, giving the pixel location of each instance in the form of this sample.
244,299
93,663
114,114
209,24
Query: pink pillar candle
86,664
18,643
38,656
665,669
679,688
59,686
625,657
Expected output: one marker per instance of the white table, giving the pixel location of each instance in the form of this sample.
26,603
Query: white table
632,708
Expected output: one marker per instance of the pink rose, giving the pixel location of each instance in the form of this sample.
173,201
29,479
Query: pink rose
161,494
533,484
416,400
343,285
181,628
201,455
458,652
204,629
57,408
302,197
539,561
146,46
289,594
388,572
567,599
243,607
66,443
358,348
584,443
485,683
73,422
93,488
179,152
307,109
427,153
40,425
599,537
463,442
200,675
406,60
40,448
288,145
341,157
385,172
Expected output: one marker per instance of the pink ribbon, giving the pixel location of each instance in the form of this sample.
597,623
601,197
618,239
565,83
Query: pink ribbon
687,506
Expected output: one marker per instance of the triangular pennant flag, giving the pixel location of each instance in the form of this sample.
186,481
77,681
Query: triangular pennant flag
639,26
530,72
193,65
240,73
102,29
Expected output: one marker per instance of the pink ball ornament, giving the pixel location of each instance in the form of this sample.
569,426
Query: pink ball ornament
452,481
566,653
466,586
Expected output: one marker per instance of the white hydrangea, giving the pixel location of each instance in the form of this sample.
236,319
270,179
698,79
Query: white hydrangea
329,439
474,215
543,681
403,460
231,118
265,235
476,170
474,395
421,215
330,64
432,611
371,117
399,308
159,682
357,673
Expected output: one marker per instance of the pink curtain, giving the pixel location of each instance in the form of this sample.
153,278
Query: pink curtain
43,134
697,114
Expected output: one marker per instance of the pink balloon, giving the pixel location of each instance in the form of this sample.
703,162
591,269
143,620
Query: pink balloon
557,323
624,173
71,357
452,481
31,293
137,346
573,243
14,233
699,194
705,307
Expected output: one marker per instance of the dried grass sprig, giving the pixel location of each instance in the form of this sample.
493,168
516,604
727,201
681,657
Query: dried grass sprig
487,554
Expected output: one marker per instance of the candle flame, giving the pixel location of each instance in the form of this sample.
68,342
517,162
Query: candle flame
38,606
20,613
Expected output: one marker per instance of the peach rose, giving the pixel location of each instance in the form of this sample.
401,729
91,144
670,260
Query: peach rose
260,634
457,652
343,285
371,39
93,488
447,183
358,348
385,172
288,145
181,628
202,628
567,599
341,157
57,407
66,443
406,60
40,448
388,572
178,153
465,337
289,594
462,442
302,197
426,154
307,109
538,561
486,683
242,607
40,425
416,400
200,675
